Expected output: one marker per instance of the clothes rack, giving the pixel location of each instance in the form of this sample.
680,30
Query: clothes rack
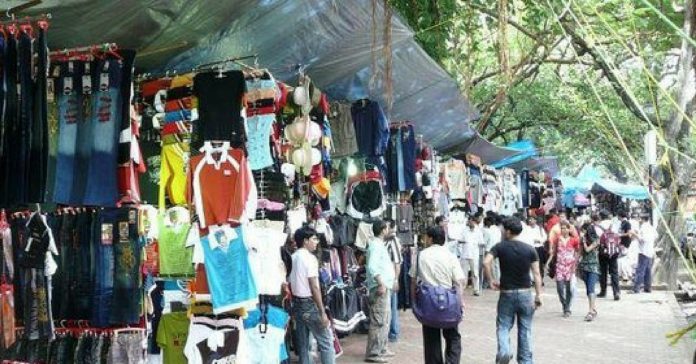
202,67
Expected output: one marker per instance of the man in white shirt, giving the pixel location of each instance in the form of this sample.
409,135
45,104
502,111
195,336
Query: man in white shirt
437,266
307,306
647,235
469,240
537,234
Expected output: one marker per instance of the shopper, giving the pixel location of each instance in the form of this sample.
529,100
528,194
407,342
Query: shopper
538,237
469,241
307,306
492,236
608,261
394,249
380,281
589,264
552,220
623,262
515,301
437,266
647,235
565,250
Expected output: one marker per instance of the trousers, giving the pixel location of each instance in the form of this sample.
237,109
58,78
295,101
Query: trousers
608,267
380,319
432,344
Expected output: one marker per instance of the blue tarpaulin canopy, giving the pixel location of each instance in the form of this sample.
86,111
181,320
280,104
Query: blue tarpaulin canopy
526,150
333,39
590,180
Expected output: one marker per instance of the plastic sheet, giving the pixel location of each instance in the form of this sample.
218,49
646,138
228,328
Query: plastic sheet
488,151
332,38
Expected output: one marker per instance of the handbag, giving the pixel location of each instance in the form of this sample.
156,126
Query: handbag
436,306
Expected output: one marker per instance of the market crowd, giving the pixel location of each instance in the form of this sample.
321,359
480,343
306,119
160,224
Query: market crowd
510,254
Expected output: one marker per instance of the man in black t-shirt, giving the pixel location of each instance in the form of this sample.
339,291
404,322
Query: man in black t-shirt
516,259
625,229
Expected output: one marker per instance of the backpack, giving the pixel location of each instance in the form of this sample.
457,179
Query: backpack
610,243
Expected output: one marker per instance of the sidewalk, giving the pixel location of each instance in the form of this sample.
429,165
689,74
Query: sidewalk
631,330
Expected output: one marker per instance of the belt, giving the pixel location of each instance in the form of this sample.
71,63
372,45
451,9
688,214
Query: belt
302,298
515,290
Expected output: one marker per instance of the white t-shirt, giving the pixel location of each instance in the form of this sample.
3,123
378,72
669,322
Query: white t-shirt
264,257
199,332
304,266
437,266
648,236
473,239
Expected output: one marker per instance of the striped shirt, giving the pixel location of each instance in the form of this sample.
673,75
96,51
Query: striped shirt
394,249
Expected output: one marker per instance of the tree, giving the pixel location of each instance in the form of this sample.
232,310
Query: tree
596,73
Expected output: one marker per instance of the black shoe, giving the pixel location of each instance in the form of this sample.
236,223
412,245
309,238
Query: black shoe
602,295
648,290
617,297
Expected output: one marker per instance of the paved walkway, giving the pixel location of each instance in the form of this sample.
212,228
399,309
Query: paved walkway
628,331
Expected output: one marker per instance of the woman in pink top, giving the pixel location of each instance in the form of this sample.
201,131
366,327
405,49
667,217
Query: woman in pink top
566,252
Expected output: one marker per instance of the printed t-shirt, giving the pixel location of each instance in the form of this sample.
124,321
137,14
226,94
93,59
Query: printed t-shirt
223,188
210,339
264,256
227,269
304,266
175,257
263,344
172,333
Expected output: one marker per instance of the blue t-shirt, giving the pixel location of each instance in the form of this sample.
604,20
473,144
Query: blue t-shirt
228,271
276,317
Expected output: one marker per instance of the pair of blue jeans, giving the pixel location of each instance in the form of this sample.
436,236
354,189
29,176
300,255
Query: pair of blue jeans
394,329
643,277
590,279
515,305
308,320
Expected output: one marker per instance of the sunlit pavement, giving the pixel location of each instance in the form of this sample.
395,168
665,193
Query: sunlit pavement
631,330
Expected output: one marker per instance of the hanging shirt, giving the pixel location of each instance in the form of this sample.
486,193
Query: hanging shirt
172,333
216,341
258,130
456,178
175,257
269,346
221,188
227,268
343,131
371,128
220,106
267,266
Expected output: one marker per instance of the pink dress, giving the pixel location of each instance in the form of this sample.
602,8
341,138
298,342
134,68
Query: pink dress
566,258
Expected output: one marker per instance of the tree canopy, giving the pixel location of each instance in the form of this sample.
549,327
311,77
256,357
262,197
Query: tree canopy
584,79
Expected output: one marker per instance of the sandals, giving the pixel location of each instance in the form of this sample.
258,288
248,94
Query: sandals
591,316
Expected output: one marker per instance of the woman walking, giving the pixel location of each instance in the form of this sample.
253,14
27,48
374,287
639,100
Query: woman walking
565,250
589,265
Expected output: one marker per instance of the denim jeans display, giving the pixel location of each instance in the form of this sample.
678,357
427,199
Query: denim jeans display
24,144
515,305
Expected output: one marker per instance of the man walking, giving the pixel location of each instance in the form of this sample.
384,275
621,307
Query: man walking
515,301
469,241
380,281
394,249
646,243
608,262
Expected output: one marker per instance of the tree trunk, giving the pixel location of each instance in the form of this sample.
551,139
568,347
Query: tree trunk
677,174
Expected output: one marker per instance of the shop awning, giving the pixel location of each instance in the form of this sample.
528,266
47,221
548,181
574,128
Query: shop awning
590,180
526,149
333,39
545,164
481,147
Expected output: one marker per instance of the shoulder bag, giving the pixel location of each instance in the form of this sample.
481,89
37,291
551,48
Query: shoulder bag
436,306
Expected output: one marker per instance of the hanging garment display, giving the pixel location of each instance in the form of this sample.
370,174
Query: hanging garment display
265,331
456,179
343,131
365,197
401,158
371,127
220,107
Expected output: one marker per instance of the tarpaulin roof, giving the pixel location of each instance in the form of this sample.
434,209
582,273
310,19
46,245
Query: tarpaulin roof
333,39
590,180
481,147
546,164
526,150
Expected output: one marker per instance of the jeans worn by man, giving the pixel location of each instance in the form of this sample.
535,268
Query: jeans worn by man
394,327
380,319
643,277
609,267
517,304
308,319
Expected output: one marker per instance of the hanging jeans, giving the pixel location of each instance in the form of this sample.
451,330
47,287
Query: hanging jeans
34,111
126,290
17,146
104,267
74,136
102,181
